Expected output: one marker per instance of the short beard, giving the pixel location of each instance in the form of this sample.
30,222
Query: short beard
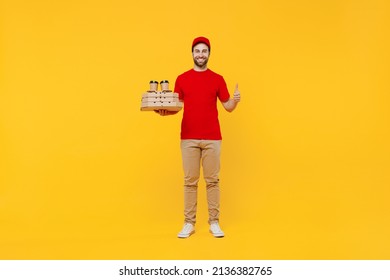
203,65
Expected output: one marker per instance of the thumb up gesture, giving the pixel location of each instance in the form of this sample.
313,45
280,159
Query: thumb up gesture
236,95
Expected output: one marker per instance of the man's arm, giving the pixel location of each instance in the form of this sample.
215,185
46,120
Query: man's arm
231,104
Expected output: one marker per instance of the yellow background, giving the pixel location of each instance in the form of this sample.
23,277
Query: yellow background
305,157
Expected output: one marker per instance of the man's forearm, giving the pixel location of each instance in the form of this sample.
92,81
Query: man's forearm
230,105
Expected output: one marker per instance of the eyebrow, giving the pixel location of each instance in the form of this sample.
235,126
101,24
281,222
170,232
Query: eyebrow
202,50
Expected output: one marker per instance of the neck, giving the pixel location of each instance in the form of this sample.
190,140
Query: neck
200,69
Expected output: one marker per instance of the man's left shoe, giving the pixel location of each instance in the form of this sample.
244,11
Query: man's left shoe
216,230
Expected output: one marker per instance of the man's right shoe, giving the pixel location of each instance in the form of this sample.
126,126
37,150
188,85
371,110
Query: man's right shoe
187,230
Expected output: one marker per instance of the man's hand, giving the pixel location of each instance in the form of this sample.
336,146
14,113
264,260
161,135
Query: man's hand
161,112
236,95
164,112
231,104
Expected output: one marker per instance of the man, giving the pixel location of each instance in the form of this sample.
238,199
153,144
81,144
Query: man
199,89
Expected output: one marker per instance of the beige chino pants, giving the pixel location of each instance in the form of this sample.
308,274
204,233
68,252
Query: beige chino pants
195,153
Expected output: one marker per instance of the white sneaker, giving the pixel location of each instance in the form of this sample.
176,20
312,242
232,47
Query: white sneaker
187,230
216,230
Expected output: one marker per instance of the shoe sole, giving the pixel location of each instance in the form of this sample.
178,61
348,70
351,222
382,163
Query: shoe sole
186,236
217,235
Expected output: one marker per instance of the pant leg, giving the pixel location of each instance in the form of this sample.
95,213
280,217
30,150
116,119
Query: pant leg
191,155
211,151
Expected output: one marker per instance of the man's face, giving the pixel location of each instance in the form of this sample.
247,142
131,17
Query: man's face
200,55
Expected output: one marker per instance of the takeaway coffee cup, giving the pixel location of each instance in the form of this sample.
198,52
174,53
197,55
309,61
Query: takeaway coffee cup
164,85
153,85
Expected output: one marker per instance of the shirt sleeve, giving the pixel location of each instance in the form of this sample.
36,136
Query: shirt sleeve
223,93
178,89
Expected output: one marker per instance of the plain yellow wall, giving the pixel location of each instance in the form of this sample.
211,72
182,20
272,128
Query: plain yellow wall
305,159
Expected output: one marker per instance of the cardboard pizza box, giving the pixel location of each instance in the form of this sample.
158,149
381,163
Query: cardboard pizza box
160,94
159,98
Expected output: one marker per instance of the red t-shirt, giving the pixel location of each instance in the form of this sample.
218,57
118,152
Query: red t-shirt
199,92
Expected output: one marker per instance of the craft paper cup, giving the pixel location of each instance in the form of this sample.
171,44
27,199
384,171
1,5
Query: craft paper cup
164,85
153,85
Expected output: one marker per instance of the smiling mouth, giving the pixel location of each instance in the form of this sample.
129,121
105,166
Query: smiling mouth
200,61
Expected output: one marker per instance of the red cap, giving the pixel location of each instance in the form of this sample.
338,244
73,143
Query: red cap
198,40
